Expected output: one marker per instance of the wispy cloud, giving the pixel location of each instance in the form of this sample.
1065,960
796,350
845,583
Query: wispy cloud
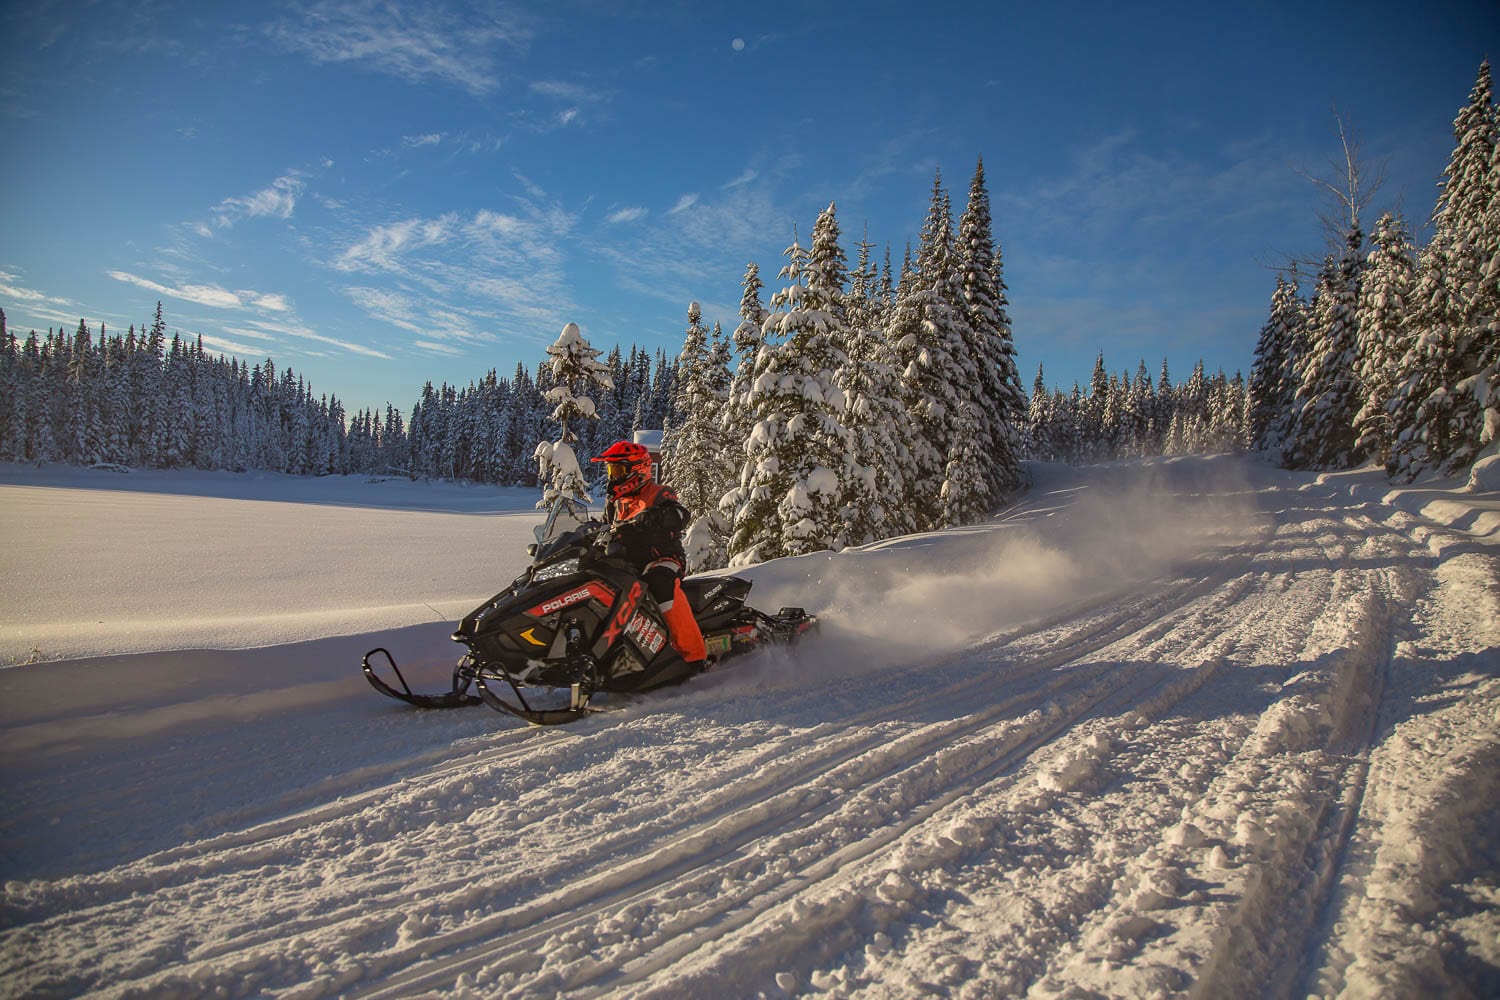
29,307
277,201
203,295
344,345
240,331
684,203
415,141
464,278
578,99
439,329
11,288
571,92
1118,183
391,307
266,317
743,179
286,331
675,259
384,248
631,214
432,347
533,190
418,43
230,346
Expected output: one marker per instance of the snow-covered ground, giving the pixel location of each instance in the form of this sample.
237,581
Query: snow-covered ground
1193,727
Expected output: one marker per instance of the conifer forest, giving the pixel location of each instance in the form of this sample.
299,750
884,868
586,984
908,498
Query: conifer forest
855,400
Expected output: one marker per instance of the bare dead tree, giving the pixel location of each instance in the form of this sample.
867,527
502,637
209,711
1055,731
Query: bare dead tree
1351,192
1350,186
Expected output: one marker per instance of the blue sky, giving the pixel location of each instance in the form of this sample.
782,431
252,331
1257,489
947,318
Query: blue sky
382,193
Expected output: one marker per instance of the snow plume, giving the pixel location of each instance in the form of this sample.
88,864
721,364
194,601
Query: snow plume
1068,545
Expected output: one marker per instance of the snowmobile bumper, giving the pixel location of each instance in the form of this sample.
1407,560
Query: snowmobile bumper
459,697
580,670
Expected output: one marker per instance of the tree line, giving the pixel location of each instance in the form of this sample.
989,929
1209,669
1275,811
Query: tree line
143,401
1125,417
1395,356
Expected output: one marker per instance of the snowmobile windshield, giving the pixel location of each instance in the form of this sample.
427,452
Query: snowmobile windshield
565,515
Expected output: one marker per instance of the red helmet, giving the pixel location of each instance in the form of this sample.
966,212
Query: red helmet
628,466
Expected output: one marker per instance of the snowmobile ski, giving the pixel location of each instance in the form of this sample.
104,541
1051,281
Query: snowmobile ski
457,698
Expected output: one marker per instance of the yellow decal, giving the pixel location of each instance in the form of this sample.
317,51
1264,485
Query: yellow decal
531,638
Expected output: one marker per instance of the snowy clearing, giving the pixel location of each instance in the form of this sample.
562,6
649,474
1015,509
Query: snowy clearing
1190,727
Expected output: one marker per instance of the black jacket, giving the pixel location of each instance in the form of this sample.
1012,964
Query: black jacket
647,526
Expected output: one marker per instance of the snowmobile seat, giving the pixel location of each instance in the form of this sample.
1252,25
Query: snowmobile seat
703,591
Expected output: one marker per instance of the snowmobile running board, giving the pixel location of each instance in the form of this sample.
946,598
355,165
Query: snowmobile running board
457,698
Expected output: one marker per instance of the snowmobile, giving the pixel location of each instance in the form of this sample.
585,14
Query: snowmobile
579,621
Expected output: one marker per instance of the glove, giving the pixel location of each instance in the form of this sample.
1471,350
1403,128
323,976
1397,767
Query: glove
613,543
645,521
666,518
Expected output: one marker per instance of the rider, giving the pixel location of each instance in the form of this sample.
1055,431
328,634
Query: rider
647,522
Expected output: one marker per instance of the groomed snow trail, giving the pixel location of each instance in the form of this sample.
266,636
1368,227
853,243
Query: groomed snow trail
1267,766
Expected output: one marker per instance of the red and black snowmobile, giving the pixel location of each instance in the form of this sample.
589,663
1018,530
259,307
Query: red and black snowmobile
578,621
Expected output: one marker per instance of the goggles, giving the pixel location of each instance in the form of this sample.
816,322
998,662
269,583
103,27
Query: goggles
616,470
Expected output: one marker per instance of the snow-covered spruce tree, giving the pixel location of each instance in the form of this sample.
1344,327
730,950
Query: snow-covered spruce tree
966,496
1297,321
1077,443
608,428
146,375
16,401
576,369
1166,405
1136,420
1329,394
1273,382
1422,410
1384,336
738,415
747,338
682,443
1114,416
904,338
175,430
1486,389
707,540
1225,432
693,449
868,301
1091,413
1000,409
1193,394
1448,408
792,485
1295,449
874,413
937,372
1039,418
